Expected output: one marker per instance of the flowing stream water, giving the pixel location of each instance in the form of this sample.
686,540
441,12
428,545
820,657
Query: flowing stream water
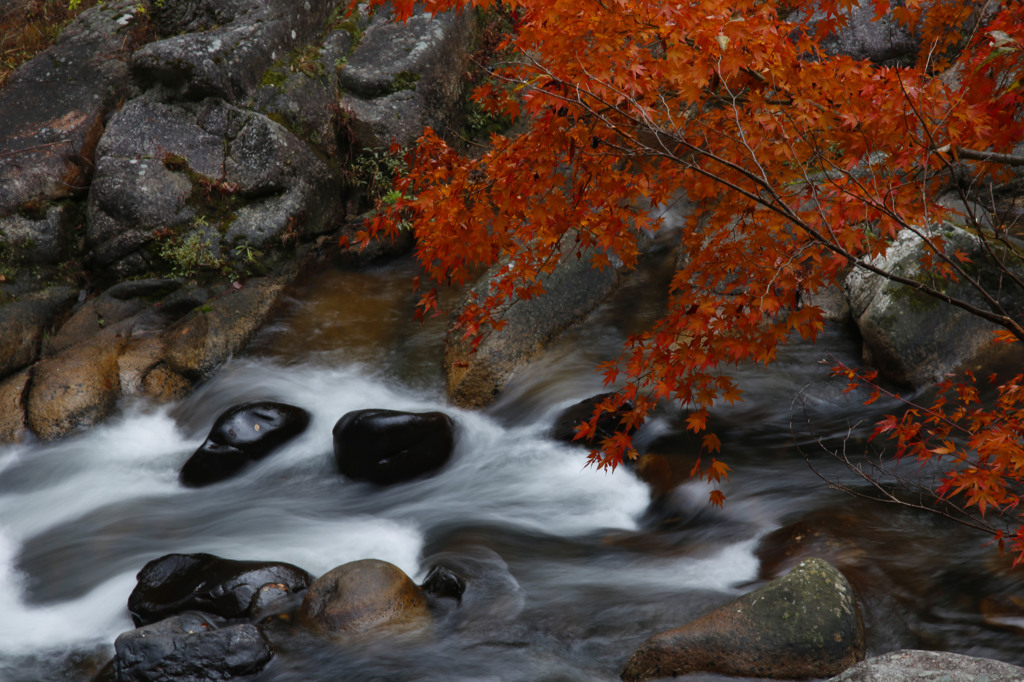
572,568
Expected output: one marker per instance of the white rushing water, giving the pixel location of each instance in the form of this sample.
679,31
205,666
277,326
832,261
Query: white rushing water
80,517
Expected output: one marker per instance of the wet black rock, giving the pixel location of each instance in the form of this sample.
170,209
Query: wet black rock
240,436
564,428
443,582
232,589
192,648
386,446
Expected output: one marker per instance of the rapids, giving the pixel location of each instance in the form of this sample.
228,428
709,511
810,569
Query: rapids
577,571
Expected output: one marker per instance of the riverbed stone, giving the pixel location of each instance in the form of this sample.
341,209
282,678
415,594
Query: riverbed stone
914,339
363,596
205,338
805,624
75,389
910,665
190,647
388,446
242,435
175,583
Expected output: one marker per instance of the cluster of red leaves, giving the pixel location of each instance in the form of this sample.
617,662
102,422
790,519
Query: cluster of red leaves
799,164
979,443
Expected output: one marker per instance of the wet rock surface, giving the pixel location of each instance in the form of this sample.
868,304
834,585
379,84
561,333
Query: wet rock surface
387,446
189,647
241,436
914,339
176,583
572,290
203,140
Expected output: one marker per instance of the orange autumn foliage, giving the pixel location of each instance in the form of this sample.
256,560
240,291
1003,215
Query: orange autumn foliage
800,164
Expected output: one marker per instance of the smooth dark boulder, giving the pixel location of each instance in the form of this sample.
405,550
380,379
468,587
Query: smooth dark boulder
361,596
805,624
387,446
232,589
189,648
242,435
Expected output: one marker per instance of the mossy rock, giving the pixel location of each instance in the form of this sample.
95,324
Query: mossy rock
805,624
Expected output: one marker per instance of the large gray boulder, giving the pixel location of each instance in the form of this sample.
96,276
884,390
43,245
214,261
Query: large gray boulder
912,338
883,40
227,180
910,665
402,77
805,624
51,117
572,290
220,48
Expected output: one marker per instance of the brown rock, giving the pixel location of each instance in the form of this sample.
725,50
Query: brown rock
164,385
805,624
361,596
12,408
23,323
205,338
75,389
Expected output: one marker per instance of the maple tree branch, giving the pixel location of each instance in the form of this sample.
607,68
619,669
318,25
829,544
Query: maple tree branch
976,155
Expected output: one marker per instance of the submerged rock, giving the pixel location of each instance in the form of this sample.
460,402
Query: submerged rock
361,596
908,665
564,428
387,446
805,624
242,435
232,589
189,648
